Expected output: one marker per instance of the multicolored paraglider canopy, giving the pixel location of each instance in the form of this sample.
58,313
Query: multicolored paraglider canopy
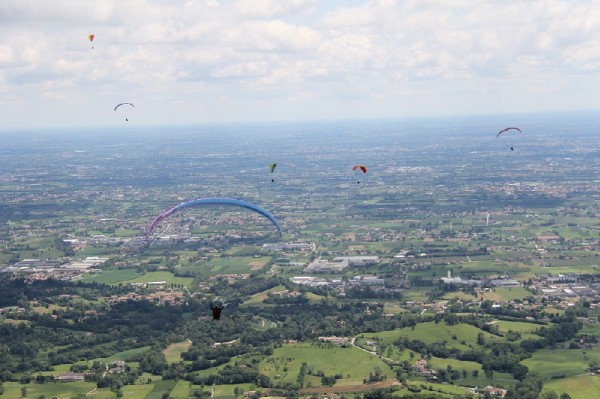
211,201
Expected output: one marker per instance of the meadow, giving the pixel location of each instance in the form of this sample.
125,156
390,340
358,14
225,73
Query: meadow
60,390
354,365
578,387
173,352
561,362
430,332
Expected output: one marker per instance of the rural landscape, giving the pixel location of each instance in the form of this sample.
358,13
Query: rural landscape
457,264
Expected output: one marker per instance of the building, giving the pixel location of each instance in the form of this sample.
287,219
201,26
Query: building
357,260
326,266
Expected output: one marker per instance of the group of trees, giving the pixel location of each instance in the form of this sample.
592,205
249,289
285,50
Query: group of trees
73,334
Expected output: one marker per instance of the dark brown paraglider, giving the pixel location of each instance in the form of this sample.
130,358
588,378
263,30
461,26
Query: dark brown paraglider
508,128
512,148
216,311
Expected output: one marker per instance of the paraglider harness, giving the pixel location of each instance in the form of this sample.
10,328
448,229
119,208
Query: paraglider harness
216,311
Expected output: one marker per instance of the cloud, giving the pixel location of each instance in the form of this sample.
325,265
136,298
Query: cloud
253,53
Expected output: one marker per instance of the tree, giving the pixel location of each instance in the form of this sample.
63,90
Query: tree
480,339
520,371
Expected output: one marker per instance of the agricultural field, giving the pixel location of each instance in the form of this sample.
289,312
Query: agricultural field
173,352
505,294
459,336
583,386
167,277
354,365
109,276
561,362
60,390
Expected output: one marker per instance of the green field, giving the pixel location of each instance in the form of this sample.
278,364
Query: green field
261,296
438,363
60,390
354,364
227,391
182,390
110,276
227,265
578,387
518,326
506,294
160,388
430,332
104,393
163,276
558,362
125,355
125,276
444,390
173,352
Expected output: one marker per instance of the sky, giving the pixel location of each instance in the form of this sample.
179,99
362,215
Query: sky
207,61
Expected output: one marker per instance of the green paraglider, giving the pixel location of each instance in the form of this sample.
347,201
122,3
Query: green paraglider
272,167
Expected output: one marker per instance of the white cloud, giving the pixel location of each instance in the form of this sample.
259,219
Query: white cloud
253,54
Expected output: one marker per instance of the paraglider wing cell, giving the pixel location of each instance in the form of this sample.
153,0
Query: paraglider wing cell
212,201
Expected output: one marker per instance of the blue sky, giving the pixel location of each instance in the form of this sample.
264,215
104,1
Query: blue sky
205,61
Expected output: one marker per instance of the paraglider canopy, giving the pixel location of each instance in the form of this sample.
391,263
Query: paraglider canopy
361,167
507,129
272,167
121,104
118,105
512,147
211,201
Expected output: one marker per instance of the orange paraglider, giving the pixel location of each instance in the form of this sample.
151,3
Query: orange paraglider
91,37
